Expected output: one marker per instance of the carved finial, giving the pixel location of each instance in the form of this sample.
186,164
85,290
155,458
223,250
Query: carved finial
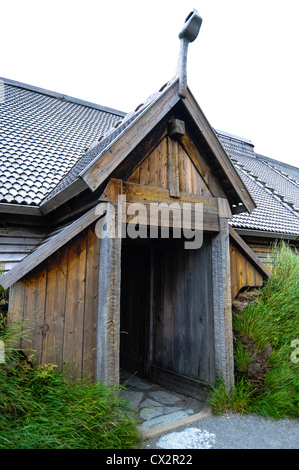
188,34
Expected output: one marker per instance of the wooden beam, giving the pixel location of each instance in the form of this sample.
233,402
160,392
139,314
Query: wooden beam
108,340
113,189
202,166
223,332
224,209
176,128
70,191
100,169
6,208
140,193
249,253
136,193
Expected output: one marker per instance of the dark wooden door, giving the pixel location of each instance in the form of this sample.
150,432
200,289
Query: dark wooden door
135,307
166,314
183,333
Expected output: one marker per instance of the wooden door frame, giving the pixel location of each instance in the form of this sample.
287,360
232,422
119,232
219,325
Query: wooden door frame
218,213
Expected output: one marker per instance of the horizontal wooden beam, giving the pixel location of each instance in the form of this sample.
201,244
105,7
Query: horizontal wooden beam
140,193
147,195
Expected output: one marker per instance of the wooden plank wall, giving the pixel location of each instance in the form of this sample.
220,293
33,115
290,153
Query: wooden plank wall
16,243
153,171
243,273
57,303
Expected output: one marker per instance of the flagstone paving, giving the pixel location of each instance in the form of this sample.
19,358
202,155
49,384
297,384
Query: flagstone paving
155,406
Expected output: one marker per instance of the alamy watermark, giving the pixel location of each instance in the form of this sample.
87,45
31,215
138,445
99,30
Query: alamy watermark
153,220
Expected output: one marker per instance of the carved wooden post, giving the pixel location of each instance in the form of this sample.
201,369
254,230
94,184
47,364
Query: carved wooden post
222,300
108,341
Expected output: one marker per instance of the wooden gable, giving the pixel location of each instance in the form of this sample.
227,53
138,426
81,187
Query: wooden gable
174,163
169,167
147,130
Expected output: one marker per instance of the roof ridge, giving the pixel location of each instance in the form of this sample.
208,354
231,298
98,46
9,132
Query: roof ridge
277,170
263,157
62,96
128,117
233,137
278,197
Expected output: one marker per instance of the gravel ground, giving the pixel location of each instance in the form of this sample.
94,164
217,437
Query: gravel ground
231,431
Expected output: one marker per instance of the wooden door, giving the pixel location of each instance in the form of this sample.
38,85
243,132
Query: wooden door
183,335
166,314
135,307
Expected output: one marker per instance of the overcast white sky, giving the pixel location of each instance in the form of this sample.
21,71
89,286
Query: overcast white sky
242,69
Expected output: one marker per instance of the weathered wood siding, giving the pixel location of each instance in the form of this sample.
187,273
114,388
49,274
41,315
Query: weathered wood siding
57,303
16,243
243,272
156,169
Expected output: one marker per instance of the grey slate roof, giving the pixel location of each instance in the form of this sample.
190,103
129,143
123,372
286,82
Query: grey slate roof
46,139
273,185
42,136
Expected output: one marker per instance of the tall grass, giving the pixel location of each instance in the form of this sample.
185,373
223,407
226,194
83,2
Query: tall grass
270,322
40,409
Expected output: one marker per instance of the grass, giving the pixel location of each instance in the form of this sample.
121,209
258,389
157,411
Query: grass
267,384
40,409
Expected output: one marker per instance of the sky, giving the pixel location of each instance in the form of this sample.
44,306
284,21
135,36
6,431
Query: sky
242,69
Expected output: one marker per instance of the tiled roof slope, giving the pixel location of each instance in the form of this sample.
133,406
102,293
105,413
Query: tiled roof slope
273,185
42,136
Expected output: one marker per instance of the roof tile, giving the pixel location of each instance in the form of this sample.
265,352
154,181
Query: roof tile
43,131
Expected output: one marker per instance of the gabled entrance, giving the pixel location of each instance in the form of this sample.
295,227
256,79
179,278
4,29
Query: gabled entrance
174,304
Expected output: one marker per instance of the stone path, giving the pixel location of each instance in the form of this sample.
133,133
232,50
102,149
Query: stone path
154,405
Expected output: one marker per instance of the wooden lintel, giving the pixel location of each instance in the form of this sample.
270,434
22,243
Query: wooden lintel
140,193
147,195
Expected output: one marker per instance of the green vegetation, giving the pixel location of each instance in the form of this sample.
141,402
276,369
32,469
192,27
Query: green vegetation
40,409
265,334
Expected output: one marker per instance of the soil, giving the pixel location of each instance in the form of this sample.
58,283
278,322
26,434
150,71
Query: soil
259,365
